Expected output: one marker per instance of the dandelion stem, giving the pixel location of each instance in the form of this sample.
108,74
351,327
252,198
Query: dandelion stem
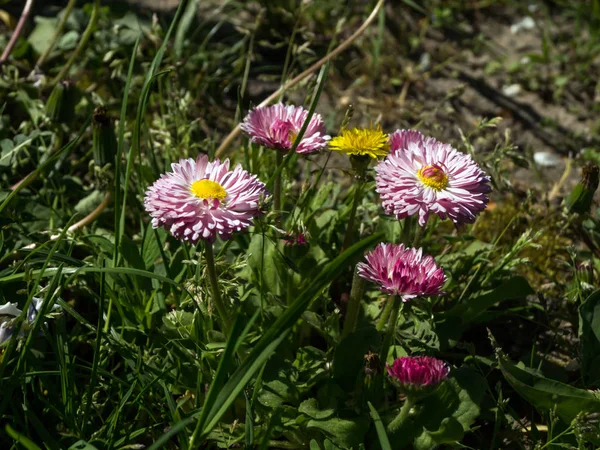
214,285
391,328
277,188
356,294
396,424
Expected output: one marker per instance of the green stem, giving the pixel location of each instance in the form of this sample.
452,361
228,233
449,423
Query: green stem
82,43
277,188
397,423
59,28
350,228
391,329
385,315
407,227
419,233
214,285
356,294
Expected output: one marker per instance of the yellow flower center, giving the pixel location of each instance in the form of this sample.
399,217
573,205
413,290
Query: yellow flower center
206,189
362,141
433,177
292,137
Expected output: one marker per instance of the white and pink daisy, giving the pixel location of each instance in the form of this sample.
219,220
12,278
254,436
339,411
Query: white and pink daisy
402,271
201,199
278,126
422,175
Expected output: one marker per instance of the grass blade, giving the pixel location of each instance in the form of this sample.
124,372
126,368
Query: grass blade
384,442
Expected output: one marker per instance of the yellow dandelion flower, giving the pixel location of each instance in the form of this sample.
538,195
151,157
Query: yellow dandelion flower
371,142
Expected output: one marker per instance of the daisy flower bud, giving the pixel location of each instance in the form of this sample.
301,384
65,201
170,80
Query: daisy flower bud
402,271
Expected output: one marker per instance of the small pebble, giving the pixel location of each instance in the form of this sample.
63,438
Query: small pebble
546,159
512,90
525,24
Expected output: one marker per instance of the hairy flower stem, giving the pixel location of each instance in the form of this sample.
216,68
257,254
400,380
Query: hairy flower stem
391,328
277,188
214,285
400,419
356,293
385,315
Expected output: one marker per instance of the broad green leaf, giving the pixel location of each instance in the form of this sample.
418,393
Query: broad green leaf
546,394
589,338
310,407
279,381
451,324
265,263
516,287
130,252
345,433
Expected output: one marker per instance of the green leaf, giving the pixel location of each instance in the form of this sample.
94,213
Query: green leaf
516,287
265,263
41,36
546,394
384,441
18,437
278,384
589,338
310,408
343,432
88,203
82,445
153,242
129,250
449,412
451,324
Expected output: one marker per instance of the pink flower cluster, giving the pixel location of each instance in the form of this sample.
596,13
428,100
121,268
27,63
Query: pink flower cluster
402,271
418,371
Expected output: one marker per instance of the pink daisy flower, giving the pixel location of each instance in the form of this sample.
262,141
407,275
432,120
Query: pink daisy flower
418,372
402,271
201,199
422,175
277,127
